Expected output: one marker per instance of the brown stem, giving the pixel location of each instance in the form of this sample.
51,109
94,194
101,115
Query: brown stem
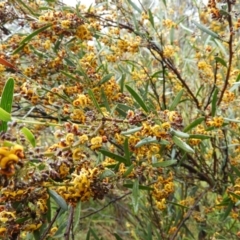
230,49
50,225
69,224
187,216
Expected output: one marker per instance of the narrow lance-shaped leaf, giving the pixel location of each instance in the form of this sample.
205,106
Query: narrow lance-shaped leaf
147,140
181,144
4,115
220,60
128,171
176,101
77,214
107,173
134,6
135,196
179,133
137,98
214,102
6,103
91,95
165,163
114,156
206,30
193,124
58,199
106,78
29,37
29,136
151,19
126,151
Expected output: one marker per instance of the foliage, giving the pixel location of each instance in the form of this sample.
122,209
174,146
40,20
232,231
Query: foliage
116,114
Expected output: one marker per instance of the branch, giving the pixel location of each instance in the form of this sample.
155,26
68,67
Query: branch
105,206
69,224
50,225
230,49
191,209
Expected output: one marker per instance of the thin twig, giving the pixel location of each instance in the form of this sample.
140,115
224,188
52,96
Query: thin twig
230,49
50,224
105,206
187,216
157,220
69,224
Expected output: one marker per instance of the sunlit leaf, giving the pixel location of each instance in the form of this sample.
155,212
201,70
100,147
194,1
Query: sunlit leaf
6,103
58,199
205,29
4,115
193,124
137,98
214,102
166,163
107,173
29,136
181,144
114,156
77,214
135,196
176,100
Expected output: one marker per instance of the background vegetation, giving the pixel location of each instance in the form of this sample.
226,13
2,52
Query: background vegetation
119,121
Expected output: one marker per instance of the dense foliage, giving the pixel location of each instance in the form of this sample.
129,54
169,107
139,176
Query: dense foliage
119,121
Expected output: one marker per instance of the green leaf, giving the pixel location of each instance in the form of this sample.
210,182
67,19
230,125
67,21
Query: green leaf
236,170
231,120
69,75
131,131
36,235
94,234
107,173
134,6
114,156
58,199
6,102
91,95
151,19
122,81
141,187
199,136
4,115
49,213
29,136
149,231
35,33
214,102
220,60
77,214
60,232
127,154
29,37
179,133
147,140
184,146
137,98
128,171
105,78
165,163
176,100
117,236
228,210
206,30
105,100
27,7
135,196
193,124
